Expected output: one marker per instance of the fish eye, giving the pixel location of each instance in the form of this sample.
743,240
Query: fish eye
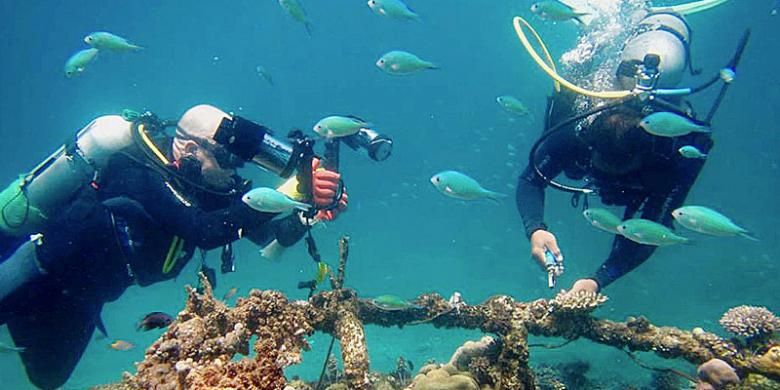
381,61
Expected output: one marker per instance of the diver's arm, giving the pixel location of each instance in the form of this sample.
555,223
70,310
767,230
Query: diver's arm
626,254
529,196
206,229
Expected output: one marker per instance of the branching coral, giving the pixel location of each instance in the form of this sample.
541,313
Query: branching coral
750,321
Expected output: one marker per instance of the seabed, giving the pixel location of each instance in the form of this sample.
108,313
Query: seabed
198,349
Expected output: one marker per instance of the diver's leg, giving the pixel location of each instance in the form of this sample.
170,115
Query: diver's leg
20,268
54,332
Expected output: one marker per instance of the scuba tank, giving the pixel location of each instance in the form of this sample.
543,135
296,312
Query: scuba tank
663,36
32,198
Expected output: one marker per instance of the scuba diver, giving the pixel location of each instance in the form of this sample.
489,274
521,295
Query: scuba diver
128,203
596,138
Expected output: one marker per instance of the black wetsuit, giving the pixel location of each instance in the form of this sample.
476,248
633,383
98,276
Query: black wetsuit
658,186
110,238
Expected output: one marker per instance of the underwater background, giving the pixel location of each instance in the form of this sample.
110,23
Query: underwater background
406,238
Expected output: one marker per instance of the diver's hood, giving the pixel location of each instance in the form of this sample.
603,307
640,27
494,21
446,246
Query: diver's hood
665,35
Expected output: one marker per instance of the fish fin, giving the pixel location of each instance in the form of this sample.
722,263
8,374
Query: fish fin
355,117
410,14
431,65
307,25
585,22
749,236
273,251
136,47
495,196
302,206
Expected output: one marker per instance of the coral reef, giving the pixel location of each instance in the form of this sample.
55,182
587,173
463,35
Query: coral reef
767,363
198,349
750,321
547,378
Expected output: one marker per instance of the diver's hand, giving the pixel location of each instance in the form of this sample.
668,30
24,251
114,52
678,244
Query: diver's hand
329,215
542,241
324,184
588,285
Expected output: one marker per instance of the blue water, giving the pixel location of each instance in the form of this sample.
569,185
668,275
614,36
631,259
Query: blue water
407,238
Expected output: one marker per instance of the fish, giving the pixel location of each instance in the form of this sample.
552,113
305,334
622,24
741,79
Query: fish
230,293
390,302
77,63
648,232
322,272
602,219
727,75
395,9
340,126
263,72
295,9
5,348
459,186
269,200
399,62
667,124
690,151
708,221
557,11
512,105
121,345
102,40
154,320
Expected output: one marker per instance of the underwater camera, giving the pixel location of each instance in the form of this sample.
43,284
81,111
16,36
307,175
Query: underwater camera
255,143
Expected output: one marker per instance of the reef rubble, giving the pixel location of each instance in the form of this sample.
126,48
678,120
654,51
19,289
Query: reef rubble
198,350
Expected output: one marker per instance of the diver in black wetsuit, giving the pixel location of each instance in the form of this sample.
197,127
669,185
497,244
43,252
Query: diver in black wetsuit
605,147
134,223
628,166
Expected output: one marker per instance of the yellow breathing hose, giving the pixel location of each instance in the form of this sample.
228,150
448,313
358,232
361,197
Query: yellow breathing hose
690,8
151,145
177,243
519,23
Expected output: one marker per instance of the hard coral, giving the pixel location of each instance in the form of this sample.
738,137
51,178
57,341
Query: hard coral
441,379
716,374
577,302
486,347
750,321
